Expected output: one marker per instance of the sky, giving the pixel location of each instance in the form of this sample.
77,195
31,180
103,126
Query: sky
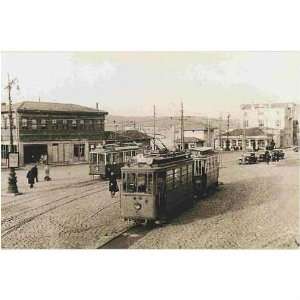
130,83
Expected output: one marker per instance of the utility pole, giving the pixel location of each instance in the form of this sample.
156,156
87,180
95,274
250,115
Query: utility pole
220,131
154,128
12,179
227,141
244,133
182,128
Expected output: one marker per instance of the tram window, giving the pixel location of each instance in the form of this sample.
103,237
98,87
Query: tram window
141,183
108,158
189,173
121,157
170,179
131,183
150,184
184,175
101,157
93,158
177,177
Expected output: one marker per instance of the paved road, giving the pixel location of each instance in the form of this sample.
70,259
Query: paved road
72,211
256,207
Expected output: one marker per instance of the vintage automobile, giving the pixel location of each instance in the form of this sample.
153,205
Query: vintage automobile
248,158
261,156
278,152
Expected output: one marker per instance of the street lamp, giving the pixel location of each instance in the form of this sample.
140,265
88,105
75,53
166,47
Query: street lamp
12,187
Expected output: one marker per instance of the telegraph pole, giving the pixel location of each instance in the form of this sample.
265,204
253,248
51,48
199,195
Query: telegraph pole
154,128
12,179
227,141
182,128
220,131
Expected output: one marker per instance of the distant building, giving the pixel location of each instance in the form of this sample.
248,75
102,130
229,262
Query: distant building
256,137
205,134
64,133
190,142
277,119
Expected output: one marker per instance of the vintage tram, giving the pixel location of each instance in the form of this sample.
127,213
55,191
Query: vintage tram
154,186
111,157
206,170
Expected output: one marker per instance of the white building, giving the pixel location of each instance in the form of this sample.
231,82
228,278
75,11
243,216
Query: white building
277,119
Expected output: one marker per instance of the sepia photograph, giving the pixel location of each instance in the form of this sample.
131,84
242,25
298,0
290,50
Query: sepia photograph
150,150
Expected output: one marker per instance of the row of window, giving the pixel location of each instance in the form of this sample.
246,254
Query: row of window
63,123
261,123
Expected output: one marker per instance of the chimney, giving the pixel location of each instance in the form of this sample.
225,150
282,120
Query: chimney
97,105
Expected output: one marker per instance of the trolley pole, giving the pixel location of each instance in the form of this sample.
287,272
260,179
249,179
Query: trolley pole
12,187
182,128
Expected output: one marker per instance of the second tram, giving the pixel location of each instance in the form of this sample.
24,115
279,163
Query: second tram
206,169
111,157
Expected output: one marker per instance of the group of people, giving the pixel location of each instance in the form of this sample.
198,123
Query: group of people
32,175
274,157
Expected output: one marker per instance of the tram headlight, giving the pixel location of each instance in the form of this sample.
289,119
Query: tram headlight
137,206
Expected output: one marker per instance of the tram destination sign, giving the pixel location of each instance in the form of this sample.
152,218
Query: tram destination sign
13,159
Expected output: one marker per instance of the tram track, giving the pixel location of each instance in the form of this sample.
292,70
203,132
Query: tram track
16,226
26,210
30,198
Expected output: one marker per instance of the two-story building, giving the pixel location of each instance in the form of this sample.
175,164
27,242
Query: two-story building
64,133
277,119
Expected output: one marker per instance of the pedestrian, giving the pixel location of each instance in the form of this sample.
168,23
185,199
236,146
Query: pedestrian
30,178
267,157
34,171
277,156
113,185
47,173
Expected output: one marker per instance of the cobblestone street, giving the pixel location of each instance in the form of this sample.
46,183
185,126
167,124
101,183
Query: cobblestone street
257,206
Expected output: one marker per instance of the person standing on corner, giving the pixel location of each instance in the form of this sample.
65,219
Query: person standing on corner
30,178
113,185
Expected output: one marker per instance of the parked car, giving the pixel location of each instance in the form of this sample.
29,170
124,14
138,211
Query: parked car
276,152
261,155
248,158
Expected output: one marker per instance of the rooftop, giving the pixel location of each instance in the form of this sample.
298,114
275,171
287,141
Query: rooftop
51,107
255,131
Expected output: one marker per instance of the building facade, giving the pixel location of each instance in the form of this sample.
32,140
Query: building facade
63,133
277,119
249,138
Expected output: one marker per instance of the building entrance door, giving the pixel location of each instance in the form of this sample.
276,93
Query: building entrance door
79,153
33,153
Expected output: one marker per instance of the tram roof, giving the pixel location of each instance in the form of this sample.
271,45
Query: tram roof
159,161
114,147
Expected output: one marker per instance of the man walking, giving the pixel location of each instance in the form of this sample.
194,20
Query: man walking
34,172
113,185
267,157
